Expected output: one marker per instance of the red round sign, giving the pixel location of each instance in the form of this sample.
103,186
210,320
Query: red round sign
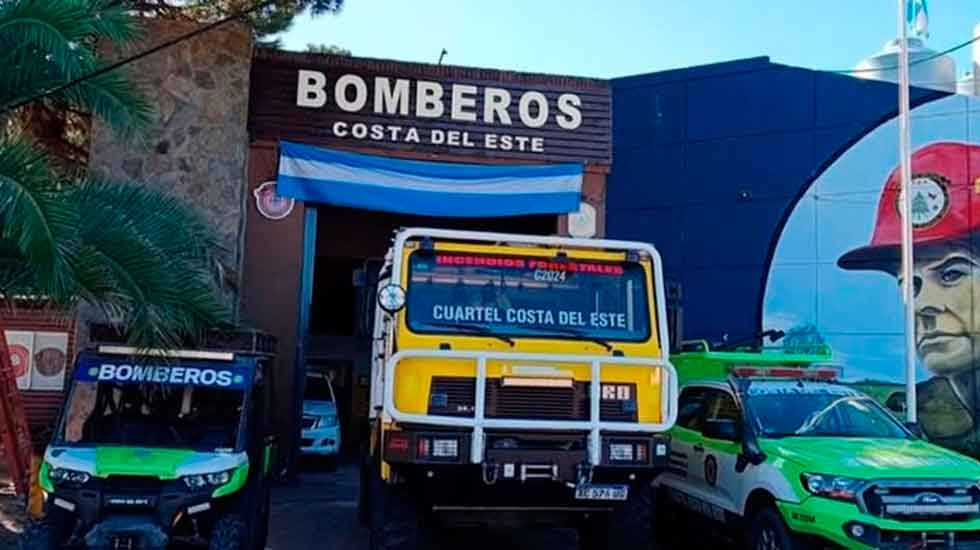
19,358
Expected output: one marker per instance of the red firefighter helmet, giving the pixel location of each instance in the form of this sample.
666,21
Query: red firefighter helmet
945,205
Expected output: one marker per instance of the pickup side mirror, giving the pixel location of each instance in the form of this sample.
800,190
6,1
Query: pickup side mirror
916,429
724,430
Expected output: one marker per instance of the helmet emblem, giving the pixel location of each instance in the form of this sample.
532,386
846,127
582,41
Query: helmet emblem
930,199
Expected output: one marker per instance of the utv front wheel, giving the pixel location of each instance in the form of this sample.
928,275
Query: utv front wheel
229,533
38,535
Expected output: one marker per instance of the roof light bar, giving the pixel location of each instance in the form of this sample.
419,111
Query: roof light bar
788,372
169,353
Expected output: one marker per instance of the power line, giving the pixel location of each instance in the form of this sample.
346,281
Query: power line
957,47
138,56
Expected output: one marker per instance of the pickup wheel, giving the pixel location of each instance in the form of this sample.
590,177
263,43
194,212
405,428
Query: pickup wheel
769,532
628,526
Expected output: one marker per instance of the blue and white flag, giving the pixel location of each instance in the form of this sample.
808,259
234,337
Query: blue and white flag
319,175
917,17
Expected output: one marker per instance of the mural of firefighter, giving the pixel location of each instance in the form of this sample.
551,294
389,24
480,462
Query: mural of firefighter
827,274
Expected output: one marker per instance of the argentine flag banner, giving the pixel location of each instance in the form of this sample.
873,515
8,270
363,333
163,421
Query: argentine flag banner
917,17
320,175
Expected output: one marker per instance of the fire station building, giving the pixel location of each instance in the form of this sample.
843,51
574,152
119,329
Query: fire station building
306,164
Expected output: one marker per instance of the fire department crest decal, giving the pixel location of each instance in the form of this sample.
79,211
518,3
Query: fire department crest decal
270,204
930,199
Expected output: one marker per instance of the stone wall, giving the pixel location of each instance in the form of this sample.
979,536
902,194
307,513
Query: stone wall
197,143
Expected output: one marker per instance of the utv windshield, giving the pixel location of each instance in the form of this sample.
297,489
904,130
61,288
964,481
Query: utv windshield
180,406
784,409
527,296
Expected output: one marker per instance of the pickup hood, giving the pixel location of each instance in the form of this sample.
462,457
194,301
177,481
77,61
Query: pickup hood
319,408
871,458
141,461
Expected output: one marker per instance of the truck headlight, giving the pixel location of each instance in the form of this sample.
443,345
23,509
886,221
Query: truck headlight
203,481
328,421
64,475
835,487
391,298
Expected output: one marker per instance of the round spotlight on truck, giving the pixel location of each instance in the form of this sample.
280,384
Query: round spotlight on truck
391,298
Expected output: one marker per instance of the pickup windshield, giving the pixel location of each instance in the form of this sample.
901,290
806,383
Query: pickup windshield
791,410
527,296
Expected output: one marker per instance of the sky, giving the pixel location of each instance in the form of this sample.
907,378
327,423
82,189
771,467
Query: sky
626,37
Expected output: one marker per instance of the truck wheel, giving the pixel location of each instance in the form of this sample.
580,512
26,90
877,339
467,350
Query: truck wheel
395,518
229,533
38,535
768,532
628,526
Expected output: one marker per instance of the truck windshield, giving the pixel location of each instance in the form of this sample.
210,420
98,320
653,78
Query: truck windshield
109,405
527,296
788,410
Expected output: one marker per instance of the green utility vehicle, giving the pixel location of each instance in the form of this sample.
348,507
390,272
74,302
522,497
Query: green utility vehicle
159,448
770,443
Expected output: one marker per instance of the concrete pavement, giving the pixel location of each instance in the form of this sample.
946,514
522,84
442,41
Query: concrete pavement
319,512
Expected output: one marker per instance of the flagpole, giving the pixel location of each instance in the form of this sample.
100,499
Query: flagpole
908,296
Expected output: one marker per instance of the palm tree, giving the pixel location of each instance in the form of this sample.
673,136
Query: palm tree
142,256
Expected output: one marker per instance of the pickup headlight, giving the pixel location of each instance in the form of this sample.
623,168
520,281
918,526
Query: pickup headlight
835,487
64,475
328,421
204,481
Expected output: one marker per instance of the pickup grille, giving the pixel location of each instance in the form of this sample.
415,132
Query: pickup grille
930,500
456,396
308,422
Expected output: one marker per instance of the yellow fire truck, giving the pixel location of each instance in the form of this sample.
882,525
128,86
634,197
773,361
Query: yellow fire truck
517,378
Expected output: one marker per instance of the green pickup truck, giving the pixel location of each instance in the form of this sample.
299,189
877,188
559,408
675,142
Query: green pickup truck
772,445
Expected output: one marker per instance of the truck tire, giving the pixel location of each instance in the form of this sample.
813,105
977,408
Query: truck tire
395,519
229,533
628,526
769,532
38,535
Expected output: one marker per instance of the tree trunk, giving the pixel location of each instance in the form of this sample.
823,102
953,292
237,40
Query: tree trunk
14,433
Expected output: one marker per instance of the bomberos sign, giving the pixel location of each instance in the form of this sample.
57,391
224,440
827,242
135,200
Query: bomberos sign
325,99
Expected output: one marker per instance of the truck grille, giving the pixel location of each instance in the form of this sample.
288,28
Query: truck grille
452,396
535,403
456,396
923,500
309,422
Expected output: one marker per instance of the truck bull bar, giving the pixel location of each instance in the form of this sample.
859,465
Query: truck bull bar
478,423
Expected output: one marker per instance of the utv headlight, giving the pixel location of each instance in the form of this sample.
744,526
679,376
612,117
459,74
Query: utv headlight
203,481
64,475
835,487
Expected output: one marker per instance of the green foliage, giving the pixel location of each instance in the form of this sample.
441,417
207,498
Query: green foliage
272,19
141,255
331,49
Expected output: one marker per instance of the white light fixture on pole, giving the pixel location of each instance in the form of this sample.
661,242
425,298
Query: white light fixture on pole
908,283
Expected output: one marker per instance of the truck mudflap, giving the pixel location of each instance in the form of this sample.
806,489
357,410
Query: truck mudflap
477,425
127,532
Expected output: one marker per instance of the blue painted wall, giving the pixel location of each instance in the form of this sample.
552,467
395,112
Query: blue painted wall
708,163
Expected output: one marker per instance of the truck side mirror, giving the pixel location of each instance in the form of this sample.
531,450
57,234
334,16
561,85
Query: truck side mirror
724,430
